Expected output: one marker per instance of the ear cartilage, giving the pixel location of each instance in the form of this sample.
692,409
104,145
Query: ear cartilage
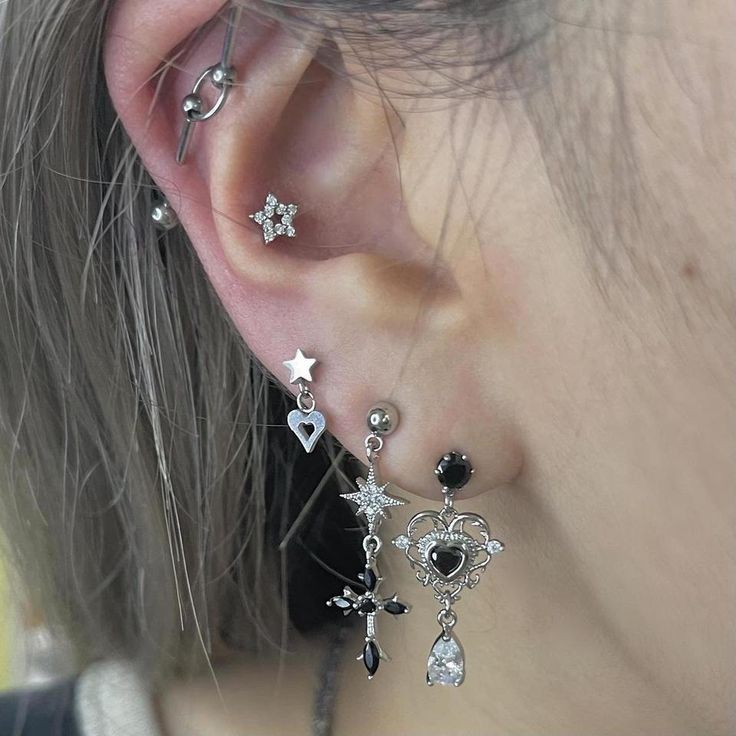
276,219
305,416
448,550
221,76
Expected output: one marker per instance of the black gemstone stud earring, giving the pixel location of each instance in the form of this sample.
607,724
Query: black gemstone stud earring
449,550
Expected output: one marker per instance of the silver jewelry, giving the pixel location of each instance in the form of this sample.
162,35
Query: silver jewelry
221,76
374,504
163,215
449,551
305,415
265,218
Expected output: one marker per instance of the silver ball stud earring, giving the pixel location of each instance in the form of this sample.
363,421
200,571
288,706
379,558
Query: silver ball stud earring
163,215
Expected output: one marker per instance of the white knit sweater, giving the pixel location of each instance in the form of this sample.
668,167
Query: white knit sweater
112,700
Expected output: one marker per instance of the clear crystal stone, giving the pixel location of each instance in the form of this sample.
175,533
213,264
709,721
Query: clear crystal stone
402,541
494,546
446,663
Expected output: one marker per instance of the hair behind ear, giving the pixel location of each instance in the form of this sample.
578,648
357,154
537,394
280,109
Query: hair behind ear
147,468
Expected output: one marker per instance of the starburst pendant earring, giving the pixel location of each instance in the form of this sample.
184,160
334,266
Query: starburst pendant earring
373,504
449,551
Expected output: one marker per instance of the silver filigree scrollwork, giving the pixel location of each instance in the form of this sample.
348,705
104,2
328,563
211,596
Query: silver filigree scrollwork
449,551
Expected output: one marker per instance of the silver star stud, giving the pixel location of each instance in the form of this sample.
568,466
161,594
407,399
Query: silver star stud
300,367
372,499
265,218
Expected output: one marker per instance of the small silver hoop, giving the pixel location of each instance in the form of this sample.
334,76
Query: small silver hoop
305,395
372,544
373,445
222,79
447,620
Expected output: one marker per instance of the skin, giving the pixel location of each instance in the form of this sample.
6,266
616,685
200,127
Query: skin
524,293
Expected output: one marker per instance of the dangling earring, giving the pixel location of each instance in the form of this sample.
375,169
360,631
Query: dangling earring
373,503
449,551
306,414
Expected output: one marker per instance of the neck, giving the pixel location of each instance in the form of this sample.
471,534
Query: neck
537,648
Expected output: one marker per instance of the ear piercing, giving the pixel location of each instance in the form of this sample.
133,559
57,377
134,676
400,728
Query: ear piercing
163,215
221,76
373,504
449,551
265,218
305,415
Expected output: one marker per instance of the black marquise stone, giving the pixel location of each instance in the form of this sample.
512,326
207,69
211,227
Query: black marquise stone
367,606
371,657
394,607
453,471
369,578
447,559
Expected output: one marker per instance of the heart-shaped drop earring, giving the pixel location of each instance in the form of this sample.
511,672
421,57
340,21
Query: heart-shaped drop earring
305,421
449,550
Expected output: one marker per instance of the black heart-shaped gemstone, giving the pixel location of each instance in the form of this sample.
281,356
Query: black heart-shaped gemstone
447,559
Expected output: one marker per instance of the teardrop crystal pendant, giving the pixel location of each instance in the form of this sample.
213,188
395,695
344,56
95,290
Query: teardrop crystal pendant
446,662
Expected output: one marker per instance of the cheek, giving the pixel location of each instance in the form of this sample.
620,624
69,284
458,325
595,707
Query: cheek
631,436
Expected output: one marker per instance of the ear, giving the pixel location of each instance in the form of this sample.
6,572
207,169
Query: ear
358,289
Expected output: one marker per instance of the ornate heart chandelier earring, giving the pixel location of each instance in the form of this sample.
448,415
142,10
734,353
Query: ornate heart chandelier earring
305,415
449,550
373,503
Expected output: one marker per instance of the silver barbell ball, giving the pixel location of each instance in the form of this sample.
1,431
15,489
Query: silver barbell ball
163,215
192,106
383,418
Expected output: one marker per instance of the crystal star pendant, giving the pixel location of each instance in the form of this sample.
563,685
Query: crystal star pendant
272,210
372,499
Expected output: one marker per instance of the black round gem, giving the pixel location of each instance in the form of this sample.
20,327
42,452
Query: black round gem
371,657
453,471
367,606
394,607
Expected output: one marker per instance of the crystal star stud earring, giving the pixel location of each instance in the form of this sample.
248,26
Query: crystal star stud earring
273,209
